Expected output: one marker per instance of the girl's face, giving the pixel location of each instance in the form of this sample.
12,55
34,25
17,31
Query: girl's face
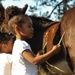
27,30
7,48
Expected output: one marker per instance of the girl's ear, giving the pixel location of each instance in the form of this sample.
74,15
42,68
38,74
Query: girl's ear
4,47
16,29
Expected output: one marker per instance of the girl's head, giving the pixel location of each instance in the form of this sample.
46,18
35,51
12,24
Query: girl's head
6,43
21,25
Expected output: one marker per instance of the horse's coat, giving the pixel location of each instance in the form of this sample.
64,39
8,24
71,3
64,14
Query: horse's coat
68,25
59,64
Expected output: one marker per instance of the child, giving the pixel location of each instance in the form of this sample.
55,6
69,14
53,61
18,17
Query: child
6,44
24,62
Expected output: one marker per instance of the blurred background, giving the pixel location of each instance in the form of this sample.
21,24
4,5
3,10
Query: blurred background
51,9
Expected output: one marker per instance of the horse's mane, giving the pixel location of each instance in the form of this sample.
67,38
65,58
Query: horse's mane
40,23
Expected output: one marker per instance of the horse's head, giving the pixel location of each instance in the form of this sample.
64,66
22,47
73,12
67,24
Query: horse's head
11,11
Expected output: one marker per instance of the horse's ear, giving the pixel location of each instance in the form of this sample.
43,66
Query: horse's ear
24,8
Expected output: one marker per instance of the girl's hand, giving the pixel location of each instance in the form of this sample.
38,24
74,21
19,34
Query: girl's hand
39,53
56,48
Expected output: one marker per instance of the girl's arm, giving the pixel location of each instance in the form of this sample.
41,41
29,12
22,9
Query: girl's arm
38,59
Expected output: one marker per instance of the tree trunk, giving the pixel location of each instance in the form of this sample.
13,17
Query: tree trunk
64,6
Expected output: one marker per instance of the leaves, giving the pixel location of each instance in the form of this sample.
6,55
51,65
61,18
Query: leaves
59,7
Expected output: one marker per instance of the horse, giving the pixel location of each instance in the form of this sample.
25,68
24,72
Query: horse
68,26
66,57
57,64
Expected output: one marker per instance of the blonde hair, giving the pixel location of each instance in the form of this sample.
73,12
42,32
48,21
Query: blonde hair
18,20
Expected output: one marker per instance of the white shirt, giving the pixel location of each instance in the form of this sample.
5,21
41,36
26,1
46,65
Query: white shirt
5,64
20,66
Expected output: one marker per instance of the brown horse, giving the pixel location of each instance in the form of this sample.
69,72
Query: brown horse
57,64
65,63
68,26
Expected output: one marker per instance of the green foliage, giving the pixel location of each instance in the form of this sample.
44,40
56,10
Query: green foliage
42,8
59,7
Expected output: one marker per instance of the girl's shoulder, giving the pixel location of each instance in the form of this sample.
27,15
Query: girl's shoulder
6,57
5,54
18,41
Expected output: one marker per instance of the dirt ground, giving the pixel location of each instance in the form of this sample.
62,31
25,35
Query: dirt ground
61,69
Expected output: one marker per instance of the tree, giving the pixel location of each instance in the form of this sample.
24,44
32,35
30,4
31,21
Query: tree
59,7
55,11
0,1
